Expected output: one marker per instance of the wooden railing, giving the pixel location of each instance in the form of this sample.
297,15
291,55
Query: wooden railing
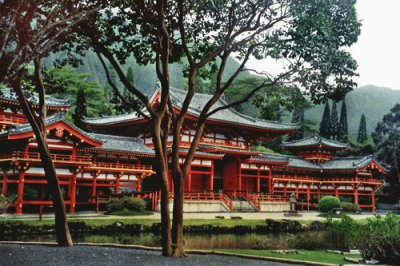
121,166
207,196
10,119
328,180
65,158
257,198
225,143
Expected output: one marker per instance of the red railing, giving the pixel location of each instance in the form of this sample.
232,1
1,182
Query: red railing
35,156
10,119
121,166
257,198
328,180
207,196
225,143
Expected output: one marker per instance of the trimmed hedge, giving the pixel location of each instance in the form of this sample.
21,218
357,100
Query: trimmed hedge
125,204
329,204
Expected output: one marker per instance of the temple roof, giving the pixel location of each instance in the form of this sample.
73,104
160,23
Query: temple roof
229,116
314,141
7,94
338,163
126,144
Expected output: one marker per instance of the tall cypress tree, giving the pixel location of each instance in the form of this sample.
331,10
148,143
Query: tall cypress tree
343,126
80,109
324,127
334,121
362,130
298,117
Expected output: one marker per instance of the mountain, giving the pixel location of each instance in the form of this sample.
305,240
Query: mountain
373,101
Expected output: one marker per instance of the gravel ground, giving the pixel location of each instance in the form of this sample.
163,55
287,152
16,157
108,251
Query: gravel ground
15,254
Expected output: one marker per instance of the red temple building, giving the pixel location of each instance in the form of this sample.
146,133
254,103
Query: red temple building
226,175
87,164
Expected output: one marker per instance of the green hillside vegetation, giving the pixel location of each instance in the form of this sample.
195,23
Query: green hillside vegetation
371,100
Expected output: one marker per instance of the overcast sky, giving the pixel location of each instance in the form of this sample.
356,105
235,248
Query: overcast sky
378,48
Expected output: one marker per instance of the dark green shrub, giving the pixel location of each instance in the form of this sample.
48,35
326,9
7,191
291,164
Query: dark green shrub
380,239
125,204
342,233
329,204
350,207
316,240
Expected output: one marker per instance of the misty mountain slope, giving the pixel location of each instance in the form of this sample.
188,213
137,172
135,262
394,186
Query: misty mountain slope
371,100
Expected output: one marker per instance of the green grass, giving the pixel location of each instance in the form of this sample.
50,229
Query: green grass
126,212
309,255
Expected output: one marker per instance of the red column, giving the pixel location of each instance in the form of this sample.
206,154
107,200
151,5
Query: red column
258,180
284,189
138,184
373,200
212,176
240,176
72,193
94,185
308,196
270,186
117,183
189,183
20,195
4,188
355,194
319,193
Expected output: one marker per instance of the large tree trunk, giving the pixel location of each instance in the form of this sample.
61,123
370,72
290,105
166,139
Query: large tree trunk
38,125
177,227
166,241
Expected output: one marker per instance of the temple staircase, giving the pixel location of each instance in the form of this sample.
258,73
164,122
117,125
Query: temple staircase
243,205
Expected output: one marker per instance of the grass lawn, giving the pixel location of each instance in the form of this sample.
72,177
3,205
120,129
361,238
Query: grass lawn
309,255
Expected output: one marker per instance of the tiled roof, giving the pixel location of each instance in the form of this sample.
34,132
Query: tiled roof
340,163
314,141
227,115
199,100
8,94
126,144
223,149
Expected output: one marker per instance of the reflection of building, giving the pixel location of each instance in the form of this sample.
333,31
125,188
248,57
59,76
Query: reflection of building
87,165
119,155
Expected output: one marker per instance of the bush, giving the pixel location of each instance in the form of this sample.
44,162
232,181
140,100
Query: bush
125,204
350,207
380,239
329,204
343,232
6,202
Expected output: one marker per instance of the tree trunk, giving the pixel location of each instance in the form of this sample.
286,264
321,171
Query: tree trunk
177,226
166,241
62,231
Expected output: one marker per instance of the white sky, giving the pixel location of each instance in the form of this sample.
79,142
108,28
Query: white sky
377,51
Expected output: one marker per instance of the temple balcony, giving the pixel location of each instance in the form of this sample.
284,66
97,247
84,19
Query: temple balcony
35,157
8,119
119,167
337,180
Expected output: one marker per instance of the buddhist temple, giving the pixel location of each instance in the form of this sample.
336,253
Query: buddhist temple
114,155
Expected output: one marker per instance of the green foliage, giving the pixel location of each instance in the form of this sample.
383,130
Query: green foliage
343,232
334,123
324,127
125,205
343,131
380,239
80,108
5,202
362,130
329,204
387,138
350,207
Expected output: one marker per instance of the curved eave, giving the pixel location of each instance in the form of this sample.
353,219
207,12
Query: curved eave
48,106
123,123
30,133
264,162
319,146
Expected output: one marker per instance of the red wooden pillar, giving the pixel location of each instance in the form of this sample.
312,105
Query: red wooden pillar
336,191
373,200
258,180
355,194
4,187
240,175
94,184
284,189
138,187
297,190
270,185
212,176
20,192
117,183
72,188
319,193
189,183
308,196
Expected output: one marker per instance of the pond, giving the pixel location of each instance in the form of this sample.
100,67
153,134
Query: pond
193,241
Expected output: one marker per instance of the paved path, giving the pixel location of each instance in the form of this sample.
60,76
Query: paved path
310,216
26,255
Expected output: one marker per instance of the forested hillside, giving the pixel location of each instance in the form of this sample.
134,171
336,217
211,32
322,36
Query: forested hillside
371,100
